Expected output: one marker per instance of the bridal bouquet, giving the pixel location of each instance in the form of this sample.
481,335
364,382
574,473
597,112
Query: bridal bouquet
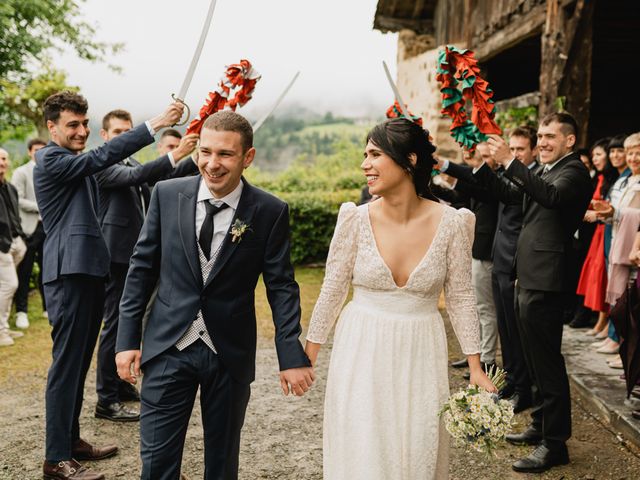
478,418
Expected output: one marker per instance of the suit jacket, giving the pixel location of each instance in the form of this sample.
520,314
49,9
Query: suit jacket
67,195
22,179
6,237
166,254
509,217
482,204
120,211
554,207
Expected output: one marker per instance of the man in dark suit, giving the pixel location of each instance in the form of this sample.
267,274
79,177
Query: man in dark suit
485,208
206,240
522,144
124,197
76,265
555,200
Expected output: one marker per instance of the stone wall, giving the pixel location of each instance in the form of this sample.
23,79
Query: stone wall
419,88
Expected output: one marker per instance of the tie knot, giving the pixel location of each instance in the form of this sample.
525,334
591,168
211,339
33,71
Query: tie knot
213,209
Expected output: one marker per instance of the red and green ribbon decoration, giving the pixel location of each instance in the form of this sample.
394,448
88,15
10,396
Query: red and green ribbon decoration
395,111
459,67
239,77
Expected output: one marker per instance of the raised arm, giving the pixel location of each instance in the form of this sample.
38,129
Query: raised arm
501,189
119,175
337,278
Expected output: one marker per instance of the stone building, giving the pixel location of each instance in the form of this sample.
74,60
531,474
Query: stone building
532,52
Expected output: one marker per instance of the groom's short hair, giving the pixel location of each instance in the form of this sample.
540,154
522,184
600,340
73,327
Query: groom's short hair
228,121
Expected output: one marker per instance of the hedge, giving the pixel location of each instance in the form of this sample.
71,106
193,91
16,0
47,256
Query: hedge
313,218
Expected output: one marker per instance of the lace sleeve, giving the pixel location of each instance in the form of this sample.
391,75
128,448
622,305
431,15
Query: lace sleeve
459,295
338,274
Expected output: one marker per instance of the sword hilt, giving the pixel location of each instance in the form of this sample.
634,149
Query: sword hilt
176,99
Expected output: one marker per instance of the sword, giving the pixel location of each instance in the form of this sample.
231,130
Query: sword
259,123
396,93
194,62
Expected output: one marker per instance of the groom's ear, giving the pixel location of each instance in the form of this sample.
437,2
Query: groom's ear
248,157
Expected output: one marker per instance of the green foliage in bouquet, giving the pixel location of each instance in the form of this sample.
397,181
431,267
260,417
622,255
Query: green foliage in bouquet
477,418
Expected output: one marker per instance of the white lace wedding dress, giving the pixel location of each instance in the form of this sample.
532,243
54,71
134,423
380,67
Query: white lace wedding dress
388,372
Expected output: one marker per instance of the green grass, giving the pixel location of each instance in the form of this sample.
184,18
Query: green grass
31,354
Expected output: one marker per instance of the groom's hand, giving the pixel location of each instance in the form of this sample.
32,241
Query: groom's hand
124,360
297,381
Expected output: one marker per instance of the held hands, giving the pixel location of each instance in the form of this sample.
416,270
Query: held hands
603,209
296,381
169,117
187,145
124,361
499,149
591,216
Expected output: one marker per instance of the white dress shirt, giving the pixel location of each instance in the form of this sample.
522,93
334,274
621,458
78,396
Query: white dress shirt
222,219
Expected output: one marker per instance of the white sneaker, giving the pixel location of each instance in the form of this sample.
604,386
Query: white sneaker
5,339
22,321
45,314
15,333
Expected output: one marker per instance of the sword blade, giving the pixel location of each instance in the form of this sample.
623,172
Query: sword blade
396,93
196,55
259,123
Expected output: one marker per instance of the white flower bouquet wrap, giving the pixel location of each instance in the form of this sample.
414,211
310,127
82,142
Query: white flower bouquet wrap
478,418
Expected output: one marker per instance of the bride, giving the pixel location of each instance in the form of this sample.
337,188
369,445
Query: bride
388,372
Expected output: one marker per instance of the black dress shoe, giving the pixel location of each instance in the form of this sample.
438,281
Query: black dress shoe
128,393
520,402
542,459
460,363
116,412
528,437
636,414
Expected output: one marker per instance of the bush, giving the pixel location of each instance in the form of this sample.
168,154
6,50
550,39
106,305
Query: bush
313,218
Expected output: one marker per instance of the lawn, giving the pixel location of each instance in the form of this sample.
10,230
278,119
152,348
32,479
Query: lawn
31,354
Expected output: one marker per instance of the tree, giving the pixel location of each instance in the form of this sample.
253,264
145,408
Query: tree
31,28
23,102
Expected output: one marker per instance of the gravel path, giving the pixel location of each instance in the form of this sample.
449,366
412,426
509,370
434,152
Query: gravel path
282,437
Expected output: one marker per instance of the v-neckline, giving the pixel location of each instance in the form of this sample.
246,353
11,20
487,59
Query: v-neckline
383,261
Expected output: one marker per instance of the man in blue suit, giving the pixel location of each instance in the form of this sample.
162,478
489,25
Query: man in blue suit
206,240
76,265
124,198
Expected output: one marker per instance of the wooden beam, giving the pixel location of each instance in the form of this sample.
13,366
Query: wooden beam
394,24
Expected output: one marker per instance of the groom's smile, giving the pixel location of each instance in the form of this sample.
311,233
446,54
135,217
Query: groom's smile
222,159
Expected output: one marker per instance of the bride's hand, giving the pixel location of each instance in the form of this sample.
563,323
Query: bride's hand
312,349
479,378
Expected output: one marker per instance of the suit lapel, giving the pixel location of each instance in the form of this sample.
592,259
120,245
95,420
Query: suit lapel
187,225
245,211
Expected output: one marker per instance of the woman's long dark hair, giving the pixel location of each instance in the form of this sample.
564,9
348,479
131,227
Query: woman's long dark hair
609,173
399,138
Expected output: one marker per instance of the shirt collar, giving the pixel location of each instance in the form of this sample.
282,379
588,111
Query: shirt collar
232,199
549,166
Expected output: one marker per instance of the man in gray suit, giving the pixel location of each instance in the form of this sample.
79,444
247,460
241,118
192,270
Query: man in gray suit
76,266
32,227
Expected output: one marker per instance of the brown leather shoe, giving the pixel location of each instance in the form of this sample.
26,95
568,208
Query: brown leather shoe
68,470
85,451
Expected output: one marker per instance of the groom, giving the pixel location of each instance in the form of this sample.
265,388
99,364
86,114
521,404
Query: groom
206,240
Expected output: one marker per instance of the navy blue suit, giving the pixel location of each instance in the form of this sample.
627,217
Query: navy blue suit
76,264
124,197
166,252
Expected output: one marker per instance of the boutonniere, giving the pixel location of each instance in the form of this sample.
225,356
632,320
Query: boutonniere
238,229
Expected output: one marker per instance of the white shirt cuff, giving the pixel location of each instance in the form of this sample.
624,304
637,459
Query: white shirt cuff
445,165
475,169
151,130
171,159
508,164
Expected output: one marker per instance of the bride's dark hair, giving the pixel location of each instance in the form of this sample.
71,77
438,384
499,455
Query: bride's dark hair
399,138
